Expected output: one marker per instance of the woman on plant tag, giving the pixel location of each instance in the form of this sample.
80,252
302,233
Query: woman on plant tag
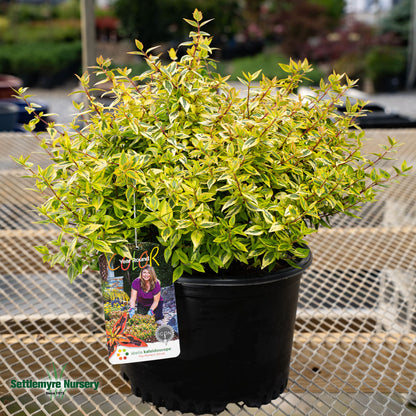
146,295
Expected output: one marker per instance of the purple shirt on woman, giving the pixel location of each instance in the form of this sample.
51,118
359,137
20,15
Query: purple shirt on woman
145,298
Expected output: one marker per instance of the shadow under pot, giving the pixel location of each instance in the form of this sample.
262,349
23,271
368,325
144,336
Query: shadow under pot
236,340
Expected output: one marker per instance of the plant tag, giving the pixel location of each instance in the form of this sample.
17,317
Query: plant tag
139,305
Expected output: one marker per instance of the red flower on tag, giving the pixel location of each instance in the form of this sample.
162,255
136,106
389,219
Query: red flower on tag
116,337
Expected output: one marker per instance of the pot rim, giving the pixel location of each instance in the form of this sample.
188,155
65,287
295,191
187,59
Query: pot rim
283,273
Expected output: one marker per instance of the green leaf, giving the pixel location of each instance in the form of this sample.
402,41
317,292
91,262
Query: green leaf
239,245
197,15
254,230
185,104
97,201
208,224
165,211
229,203
284,246
222,238
285,67
172,56
166,233
152,203
181,255
251,142
139,45
225,257
192,23
123,160
72,273
190,204
181,224
120,205
255,75
167,254
243,81
305,153
123,251
276,227
268,258
233,211
301,252
168,86
42,249
88,228
177,273
268,216
102,246
404,166
152,49
196,238
198,267
115,240
206,21
256,252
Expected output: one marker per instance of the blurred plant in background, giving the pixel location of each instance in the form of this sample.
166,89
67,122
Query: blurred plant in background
39,38
398,21
41,43
157,21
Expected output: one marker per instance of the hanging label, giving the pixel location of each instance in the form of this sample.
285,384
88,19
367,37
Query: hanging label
139,305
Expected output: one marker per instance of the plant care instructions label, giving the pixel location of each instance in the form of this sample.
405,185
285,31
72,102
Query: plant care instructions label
139,305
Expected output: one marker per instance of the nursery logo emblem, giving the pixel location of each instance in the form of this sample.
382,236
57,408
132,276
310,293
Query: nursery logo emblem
54,386
56,389
164,333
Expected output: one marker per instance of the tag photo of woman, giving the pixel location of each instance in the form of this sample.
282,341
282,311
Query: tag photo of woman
145,297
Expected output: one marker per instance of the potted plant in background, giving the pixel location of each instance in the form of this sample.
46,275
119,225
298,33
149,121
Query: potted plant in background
385,67
230,185
8,110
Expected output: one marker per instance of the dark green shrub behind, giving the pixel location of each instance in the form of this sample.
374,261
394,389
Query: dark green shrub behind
42,64
52,31
383,63
161,20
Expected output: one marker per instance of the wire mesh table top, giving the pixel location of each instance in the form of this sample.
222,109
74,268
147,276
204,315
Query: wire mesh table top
354,350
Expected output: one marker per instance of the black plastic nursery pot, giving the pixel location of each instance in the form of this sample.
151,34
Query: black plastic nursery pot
8,116
236,340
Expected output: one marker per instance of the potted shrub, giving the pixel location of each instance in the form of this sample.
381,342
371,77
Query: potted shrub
385,66
8,116
229,185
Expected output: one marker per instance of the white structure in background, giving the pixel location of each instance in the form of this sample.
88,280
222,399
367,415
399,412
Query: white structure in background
103,4
369,6
368,11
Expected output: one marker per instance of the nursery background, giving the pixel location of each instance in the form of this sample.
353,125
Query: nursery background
40,41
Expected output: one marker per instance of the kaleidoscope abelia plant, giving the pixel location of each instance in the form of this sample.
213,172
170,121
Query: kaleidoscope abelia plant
179,157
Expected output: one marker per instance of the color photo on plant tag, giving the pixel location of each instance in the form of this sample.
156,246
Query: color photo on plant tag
139,305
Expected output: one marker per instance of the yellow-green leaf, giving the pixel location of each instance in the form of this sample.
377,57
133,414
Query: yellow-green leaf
89,228
197,237
197,15
172,54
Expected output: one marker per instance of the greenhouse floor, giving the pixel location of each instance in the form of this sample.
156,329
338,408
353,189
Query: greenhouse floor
354,350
